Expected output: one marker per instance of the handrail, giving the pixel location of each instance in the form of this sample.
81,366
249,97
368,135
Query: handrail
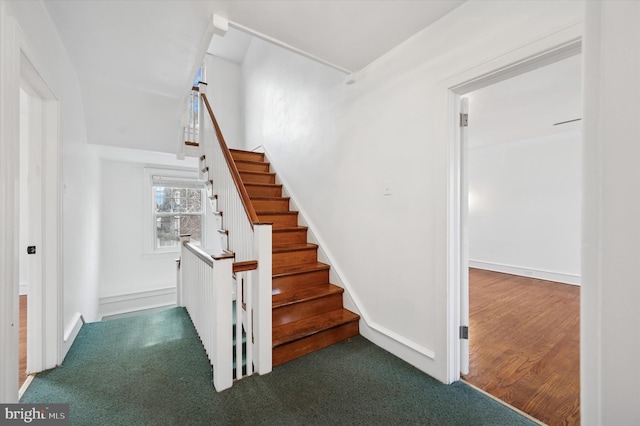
204,256
248,265
244,196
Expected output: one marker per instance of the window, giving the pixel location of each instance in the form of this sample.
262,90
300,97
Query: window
177,209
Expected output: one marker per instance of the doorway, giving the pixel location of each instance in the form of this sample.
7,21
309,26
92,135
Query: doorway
39,230
520,180
19,67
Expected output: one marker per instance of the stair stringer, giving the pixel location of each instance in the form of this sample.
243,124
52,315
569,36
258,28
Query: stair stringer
402,347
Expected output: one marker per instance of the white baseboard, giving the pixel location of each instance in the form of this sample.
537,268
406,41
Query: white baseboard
420,357
23,289
139,301
527,272
71,332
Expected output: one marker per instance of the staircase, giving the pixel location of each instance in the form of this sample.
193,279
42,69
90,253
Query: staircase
307,310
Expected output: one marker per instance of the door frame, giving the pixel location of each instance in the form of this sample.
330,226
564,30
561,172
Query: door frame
550,49
19,66
44,301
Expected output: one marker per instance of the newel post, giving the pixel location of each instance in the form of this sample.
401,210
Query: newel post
223,314
179,301
262,298
185,238
202,116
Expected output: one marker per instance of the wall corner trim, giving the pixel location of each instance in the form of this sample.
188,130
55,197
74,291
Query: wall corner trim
71,332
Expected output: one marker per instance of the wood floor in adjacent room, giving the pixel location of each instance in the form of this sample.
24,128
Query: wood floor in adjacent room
524,344
22,364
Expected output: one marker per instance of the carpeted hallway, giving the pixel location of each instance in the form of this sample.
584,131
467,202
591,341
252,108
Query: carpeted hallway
150,369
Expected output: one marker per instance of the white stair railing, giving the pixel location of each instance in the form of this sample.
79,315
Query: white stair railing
189,135
249,243
191,129
243,315
205,291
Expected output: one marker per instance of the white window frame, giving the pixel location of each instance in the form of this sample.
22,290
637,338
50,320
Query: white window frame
173,177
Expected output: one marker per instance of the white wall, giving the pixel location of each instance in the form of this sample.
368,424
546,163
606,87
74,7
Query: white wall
336,145
81,225
610,297
287,101
525,207
143,120
131,277
225,95
79,166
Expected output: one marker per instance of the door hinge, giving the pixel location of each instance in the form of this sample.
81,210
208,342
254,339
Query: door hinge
464,119
464,332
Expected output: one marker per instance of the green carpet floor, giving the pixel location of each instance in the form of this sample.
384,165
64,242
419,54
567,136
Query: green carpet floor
151,369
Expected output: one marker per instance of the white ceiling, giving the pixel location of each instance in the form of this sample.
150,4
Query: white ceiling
150,49
143,45
348,34
527,106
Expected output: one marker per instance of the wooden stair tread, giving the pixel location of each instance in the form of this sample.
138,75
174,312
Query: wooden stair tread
298,269
253,172
309,326
243,152
294,247
285,213
267,198
305,294
250,161
291,229
288,235
270,185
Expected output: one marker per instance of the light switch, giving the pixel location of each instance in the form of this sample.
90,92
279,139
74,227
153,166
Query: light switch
387,188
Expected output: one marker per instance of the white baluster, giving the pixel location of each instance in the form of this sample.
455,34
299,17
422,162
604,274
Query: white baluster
238,321
248,291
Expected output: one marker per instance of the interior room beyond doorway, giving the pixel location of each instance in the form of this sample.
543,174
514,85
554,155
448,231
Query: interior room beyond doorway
524,234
